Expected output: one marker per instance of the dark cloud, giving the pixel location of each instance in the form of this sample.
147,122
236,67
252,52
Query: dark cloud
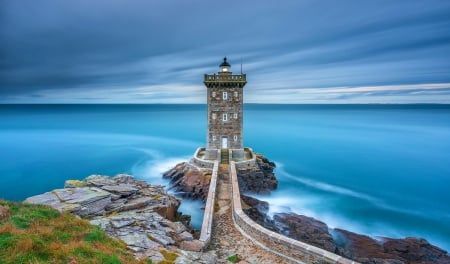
66,46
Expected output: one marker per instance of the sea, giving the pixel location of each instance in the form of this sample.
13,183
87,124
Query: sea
380,170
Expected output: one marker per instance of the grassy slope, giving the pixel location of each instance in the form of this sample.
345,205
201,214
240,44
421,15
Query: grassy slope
40,234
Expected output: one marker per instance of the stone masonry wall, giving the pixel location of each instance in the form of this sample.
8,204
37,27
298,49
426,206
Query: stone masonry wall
205,234
219,104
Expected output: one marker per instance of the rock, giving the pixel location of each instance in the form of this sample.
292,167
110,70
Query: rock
99,180
5,213
163,239
124,179
194,245
259,179
257,211
189,181
190,257
178,227
415,250
306,229
153,253
356,246
84,201
388,250
136,203
88,201
138,242
186,236
123,190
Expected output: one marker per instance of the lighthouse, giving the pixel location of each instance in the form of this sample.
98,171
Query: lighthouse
225,99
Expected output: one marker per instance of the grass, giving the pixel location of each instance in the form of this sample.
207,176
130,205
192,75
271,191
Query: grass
169,256
40,234
233,258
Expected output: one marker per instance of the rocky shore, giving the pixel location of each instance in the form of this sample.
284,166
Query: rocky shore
143,216
189,181
361,248
193,182
146,218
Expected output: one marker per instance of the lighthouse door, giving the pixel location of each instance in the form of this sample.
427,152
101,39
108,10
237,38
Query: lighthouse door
224,142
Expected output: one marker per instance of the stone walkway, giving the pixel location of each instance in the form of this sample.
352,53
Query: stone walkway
226,240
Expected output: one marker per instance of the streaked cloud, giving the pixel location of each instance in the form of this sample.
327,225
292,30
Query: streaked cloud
157,51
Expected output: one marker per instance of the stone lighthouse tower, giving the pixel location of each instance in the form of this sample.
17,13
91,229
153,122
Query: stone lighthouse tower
225,115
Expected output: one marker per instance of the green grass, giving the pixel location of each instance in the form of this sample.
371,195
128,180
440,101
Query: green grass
40,234
233,259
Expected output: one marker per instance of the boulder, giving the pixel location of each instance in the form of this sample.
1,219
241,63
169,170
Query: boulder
194,245
189,181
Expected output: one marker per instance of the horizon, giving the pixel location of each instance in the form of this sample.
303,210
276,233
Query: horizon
320,52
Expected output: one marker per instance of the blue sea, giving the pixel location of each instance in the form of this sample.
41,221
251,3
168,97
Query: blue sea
381,170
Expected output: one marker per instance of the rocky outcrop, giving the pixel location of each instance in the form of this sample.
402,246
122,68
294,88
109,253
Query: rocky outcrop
189,181
259,179
361,248
388,250
143,216
306,229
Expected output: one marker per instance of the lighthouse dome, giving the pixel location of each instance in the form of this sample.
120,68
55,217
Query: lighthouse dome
225,66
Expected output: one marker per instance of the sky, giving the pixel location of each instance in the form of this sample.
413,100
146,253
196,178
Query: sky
293,51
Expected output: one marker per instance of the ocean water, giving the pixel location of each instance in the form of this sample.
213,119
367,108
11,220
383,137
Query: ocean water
381,170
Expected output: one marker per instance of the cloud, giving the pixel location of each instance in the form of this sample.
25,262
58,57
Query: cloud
75,48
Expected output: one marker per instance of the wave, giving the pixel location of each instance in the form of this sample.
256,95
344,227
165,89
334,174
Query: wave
376,202
154,165
327,187
152,168
290,201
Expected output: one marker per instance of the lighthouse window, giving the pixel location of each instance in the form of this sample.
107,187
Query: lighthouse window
225,117
235,94
235,115
225,95
214,116
235,138
213,94
214,138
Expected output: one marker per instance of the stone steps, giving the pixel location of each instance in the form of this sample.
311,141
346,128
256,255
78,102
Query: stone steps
224,156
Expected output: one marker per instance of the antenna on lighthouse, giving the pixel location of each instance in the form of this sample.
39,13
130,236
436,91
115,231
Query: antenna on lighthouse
241,65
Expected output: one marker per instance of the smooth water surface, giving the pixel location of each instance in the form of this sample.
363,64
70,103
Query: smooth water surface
383,170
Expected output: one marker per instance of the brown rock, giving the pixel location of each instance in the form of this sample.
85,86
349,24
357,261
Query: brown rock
259,179
194,245
365,249
356,246
306,229
415,250
189,181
